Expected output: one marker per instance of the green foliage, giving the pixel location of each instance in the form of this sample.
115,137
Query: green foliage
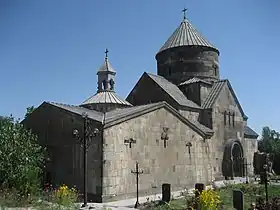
270,143
221,197
29,110
65,196
21,157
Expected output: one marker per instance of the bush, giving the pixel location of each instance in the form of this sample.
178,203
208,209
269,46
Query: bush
21,157
209,200
65,196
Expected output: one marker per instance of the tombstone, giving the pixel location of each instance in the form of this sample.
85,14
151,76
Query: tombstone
199,187
238,199
166,192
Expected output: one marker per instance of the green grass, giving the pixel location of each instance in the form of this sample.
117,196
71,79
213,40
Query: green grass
251,193
41,200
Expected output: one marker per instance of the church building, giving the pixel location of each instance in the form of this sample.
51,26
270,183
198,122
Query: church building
182,125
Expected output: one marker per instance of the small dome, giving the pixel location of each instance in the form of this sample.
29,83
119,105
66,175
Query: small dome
186,35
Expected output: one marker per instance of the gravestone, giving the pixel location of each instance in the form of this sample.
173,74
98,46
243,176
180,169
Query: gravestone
166,192
238,199
199,187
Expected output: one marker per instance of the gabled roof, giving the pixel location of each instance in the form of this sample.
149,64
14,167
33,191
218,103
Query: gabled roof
194,80
123,114
214,93
119,115
186,35
94,115
250,133
106,97
173,91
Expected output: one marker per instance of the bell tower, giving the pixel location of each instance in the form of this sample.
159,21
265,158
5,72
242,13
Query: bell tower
106,76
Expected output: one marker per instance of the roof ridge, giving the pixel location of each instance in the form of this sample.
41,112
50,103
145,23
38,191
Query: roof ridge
194,80
123,116
173,91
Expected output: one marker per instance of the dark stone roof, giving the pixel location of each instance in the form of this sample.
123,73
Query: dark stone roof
106,97
214,93
173,91
186,35
94,115
194,80
123,114
250,133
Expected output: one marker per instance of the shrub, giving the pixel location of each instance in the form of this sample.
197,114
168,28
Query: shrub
65,196
209,200
21,157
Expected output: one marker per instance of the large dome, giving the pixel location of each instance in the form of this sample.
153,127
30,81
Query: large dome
186,35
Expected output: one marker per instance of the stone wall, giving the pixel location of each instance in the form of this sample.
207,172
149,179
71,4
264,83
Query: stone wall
193,116
251,146
173,164
54,128
181,63
223,131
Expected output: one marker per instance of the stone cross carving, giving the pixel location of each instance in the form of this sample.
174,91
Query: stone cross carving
189,145
130,141
164,135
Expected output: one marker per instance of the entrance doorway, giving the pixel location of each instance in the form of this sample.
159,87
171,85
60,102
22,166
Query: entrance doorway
232,164
237,160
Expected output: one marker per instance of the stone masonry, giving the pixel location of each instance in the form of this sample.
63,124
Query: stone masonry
173,164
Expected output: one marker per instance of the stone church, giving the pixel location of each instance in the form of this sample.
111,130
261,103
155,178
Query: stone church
183,125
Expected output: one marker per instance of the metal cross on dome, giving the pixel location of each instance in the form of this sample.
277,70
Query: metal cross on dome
106,53
184,11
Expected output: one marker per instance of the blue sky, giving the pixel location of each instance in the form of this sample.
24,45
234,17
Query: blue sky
50,50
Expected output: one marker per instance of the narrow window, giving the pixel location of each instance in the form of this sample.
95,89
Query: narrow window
169,71
233,115
229,118
225,117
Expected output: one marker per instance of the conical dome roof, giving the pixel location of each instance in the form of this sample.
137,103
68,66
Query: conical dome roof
106,97
186,35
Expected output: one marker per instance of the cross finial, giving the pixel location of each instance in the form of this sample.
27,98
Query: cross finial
184,11
106,53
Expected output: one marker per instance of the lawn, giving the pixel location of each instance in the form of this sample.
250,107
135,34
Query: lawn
251,193
61,198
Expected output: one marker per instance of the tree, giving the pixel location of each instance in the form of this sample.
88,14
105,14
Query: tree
270,143
21,156
29,110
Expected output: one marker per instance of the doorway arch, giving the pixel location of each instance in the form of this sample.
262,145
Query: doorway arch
233,159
